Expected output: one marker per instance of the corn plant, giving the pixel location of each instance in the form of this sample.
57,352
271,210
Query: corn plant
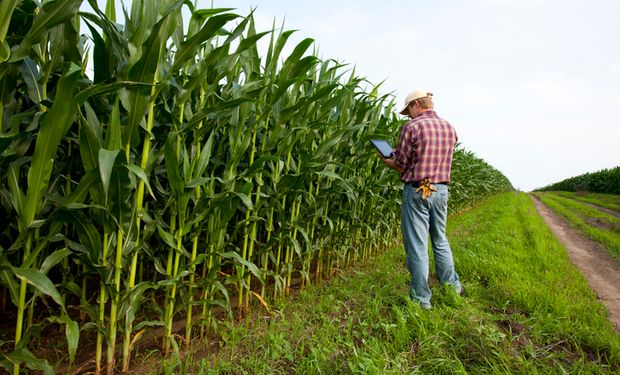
189,173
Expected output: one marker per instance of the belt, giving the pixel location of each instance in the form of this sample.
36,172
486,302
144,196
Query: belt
417,183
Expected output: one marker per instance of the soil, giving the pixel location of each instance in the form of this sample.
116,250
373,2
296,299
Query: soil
601,271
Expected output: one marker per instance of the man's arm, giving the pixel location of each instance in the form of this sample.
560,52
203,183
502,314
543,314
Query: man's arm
392,164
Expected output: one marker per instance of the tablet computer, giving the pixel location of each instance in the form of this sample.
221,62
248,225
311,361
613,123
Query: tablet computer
384,147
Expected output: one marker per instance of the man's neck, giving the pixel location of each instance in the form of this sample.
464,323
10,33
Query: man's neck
423,112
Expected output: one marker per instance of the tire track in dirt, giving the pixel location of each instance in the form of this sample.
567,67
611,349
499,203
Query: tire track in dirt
601,271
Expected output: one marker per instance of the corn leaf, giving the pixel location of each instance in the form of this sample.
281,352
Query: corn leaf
40,282
7,138
101,57
172,166
90,139
53,259
51,133
142,176
107,88
239,260
85,184
114,135
10,282
23,356
72,331
187,50
31,76
52,13
107,159
17,196
144,70
6,10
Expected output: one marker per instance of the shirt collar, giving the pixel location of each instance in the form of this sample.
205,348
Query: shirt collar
426,114
429,113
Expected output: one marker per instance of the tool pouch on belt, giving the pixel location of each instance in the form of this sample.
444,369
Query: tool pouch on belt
426,187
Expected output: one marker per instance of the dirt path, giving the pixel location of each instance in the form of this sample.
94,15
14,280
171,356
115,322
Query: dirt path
601,271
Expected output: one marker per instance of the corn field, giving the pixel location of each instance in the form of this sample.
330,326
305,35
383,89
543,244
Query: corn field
189,175
605,181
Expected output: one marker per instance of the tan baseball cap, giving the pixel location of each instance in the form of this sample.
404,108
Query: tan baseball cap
415,94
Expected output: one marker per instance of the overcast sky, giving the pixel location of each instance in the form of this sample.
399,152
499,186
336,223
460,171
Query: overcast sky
532,86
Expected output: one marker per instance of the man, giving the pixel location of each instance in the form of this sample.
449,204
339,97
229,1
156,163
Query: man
423,157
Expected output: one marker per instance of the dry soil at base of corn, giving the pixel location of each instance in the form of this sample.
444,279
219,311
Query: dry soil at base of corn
601,271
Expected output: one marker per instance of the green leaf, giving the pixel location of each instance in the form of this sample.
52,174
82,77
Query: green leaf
250,42
220,106
200,181
40,282
251,266
166,236
23,356
72,332
205,156
206,13
295,56
90,139
172,166
245,199
144,71
142,176
107,159
101,57
52,13
6,10
11,284
79,193
53,259
51,132
101,89
131,303
330,174
17,196
5,51
148,323
114,135
188,49
272,58
7,138
31,76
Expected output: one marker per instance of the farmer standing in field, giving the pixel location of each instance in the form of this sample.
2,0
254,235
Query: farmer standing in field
423,157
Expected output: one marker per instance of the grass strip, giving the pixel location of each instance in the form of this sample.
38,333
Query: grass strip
526,310
587,212
607,238
611,201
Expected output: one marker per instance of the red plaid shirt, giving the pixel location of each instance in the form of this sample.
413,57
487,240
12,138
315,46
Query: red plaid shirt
425,148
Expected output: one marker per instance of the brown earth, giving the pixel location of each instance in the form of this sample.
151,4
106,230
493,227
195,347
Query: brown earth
601,271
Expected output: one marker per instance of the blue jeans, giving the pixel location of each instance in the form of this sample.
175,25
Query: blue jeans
419,219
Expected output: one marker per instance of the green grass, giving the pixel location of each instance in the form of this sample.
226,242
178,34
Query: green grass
611,201
599,226
589,213
526,310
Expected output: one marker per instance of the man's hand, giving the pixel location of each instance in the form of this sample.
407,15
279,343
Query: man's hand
391,163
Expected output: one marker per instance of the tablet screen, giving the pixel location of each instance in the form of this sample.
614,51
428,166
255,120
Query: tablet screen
385,149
